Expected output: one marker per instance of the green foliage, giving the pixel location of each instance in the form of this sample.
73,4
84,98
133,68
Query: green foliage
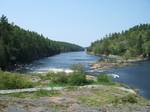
130,43
2,55
127,55
77,79
42,93
130,98
36,94
18,46
14,81
146,48
103,78
58,78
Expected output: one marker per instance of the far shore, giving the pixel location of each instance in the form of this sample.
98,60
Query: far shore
111,61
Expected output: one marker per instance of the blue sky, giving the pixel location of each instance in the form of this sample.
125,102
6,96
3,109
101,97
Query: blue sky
76,21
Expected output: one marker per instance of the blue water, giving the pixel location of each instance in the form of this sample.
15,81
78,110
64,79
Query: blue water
61,61
137,76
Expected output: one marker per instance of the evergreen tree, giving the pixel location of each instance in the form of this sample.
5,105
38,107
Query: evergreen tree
130,43
18,46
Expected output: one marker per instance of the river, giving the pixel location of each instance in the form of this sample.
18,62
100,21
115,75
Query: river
137,76
61,61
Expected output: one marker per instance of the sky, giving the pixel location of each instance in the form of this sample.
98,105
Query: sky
76,21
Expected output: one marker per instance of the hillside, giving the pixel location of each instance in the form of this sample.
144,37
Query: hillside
18,46
134,42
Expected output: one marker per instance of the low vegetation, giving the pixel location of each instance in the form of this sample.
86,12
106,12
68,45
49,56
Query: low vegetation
130,98
104,79
77,78
14,81
109,95
63,79
75,99
103,93
34,95
10,80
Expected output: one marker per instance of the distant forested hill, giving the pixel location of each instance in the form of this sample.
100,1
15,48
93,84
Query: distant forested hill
19,46
130,43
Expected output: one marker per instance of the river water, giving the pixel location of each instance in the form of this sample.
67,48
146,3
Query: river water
137,75
62,61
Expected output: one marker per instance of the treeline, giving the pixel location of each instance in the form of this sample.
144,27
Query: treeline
130,43
18,46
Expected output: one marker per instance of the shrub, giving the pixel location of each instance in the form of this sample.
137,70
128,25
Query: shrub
103,78
73,79
77,79
58,78
14,81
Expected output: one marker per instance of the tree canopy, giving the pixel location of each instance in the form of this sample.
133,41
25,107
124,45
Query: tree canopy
18,46
130,43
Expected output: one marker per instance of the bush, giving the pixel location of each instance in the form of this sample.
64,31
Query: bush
73,79
14,81
103,78
77,79
56,78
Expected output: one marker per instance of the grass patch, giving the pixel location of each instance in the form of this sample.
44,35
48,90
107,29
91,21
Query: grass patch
42,93
130,98
14,81
109,95
36,94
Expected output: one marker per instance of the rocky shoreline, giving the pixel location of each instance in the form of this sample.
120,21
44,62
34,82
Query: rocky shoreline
112,61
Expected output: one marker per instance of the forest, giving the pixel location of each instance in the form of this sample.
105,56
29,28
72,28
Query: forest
131,43
19,46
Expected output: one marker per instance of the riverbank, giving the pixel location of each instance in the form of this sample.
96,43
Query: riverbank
53,93
102,98
112,61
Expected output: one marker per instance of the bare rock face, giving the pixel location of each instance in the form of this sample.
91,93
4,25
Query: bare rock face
75,100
